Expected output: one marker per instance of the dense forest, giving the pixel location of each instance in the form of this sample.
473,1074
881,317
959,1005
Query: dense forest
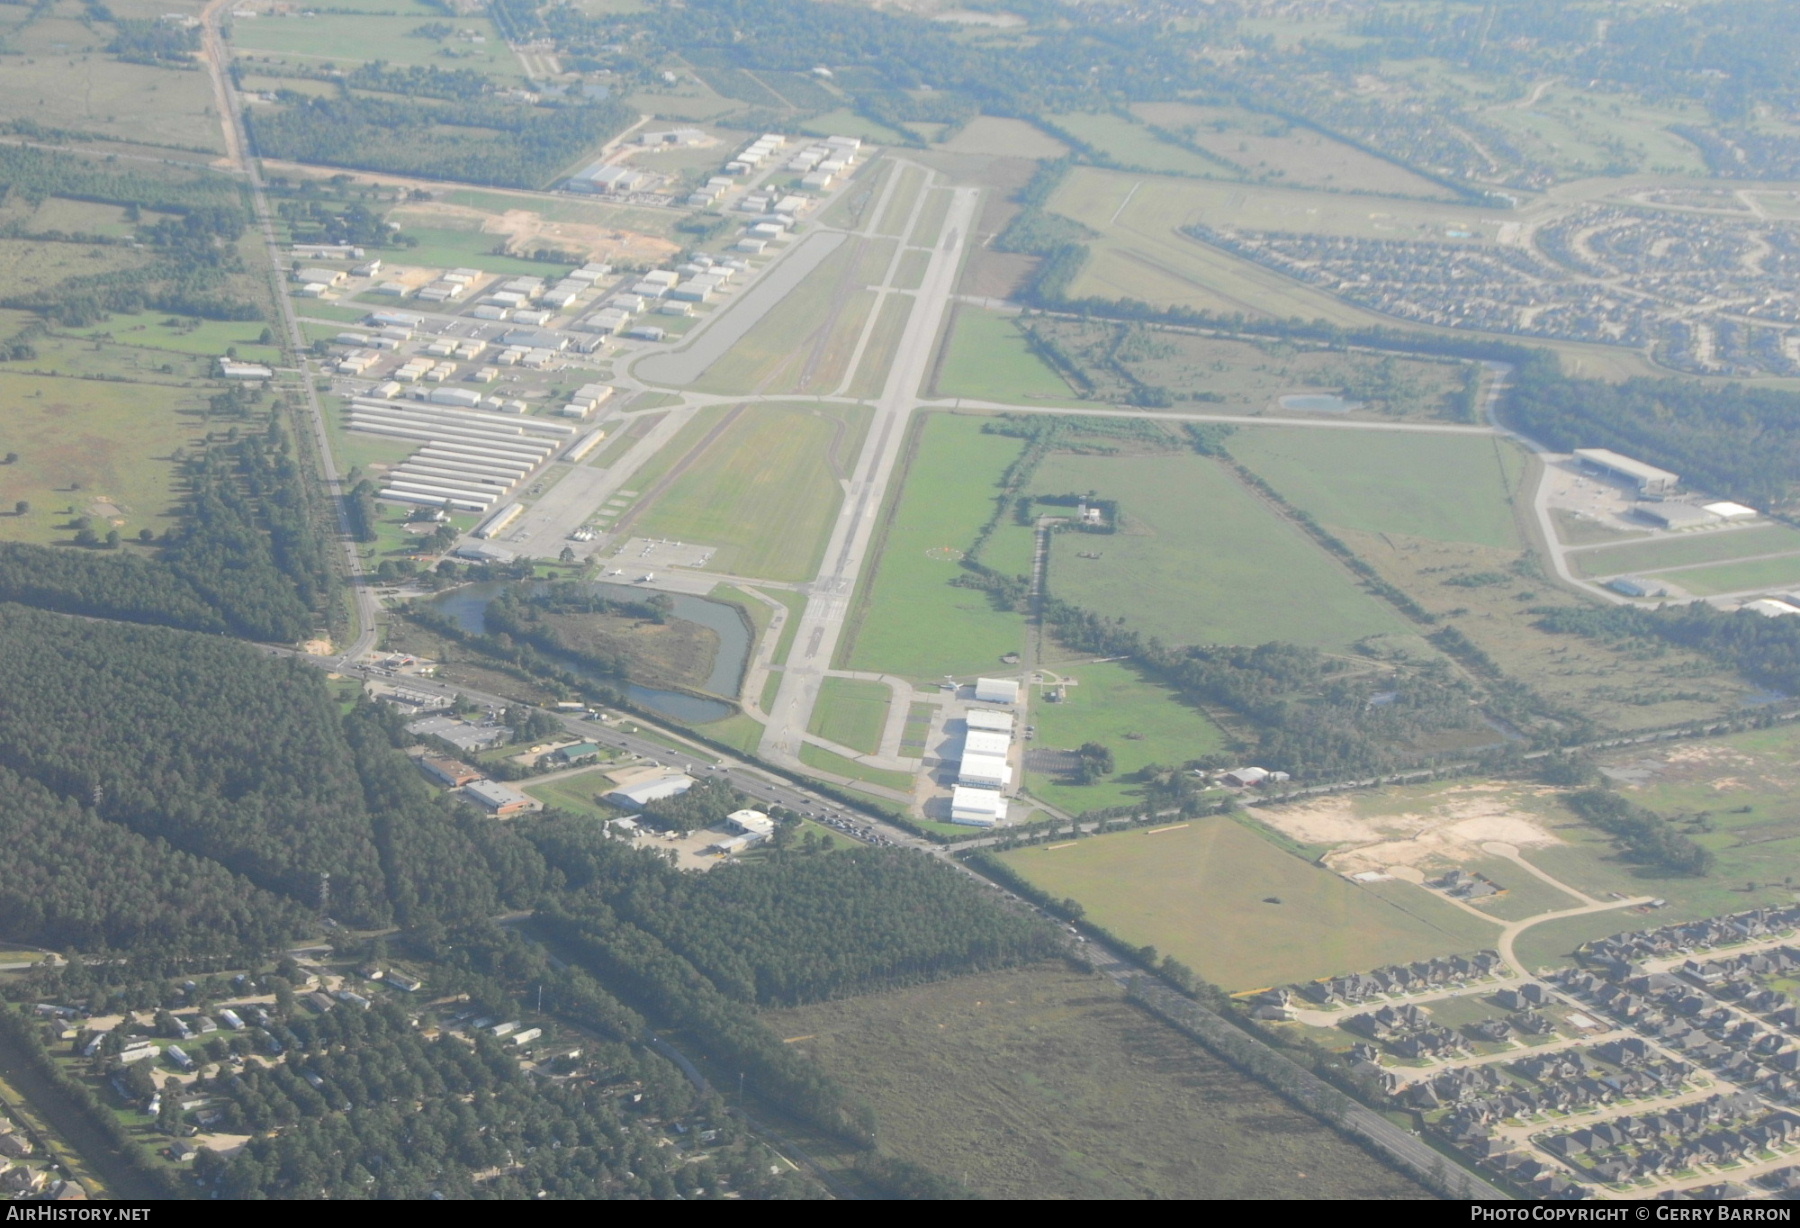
471,142
1725,438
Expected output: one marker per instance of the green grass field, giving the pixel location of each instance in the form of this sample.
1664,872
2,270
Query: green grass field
443,248
1678,551
1200,561
846,122
852,712
766,491
1747,576
1043,1082
185,335
565,209
990,360
84,441
910,621
878,356
1200,892
1139,720
838,765
778,350
1132,144
898,214
740,732
579,794
355,37
99,94
1449,487
926,230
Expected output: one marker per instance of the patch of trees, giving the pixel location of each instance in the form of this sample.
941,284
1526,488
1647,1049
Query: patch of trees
38,173
363,1106
75,881
704,805
1645,835
470,142
420,81
318,221
1766,650
154,42
1727,438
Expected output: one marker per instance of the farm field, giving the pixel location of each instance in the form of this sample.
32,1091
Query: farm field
1489,594
83,443
1131,144
1202,891
1716,546
1746,576
852,712
1140,721
765,491
1043,1082
987,358
1201,561
909,620
1449,487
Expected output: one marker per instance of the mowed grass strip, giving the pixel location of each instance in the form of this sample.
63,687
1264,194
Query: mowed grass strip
765,491
1201,893
838,765
990,360
775,347
878,356
852,712
1140,721
1704,547
1200,561
910,620
82,441
1448,487
1043,1082
1744,577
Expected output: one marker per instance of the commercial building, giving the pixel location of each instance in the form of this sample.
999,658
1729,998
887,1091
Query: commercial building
499,800
753,824
608,180
232,369
1648,479
987,718
1676,515
987,742
449,772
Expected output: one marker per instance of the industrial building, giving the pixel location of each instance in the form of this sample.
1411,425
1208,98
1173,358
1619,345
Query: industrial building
987,718
991,771
1676,515
1648,479
499,800
642,794
607,180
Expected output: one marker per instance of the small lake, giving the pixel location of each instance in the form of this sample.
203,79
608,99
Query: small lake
1318,403
467,607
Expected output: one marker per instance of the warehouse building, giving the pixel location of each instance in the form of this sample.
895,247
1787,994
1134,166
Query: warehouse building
989,771
1676,515
1648,479
637,796
973,807
501,801
987,718
604,179
997,690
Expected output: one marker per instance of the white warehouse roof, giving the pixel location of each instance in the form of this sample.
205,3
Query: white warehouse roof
986,742
976,807
997,690
987,718
650,791
991,770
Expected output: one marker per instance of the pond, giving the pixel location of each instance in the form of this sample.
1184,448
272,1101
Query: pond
1319,403
467,606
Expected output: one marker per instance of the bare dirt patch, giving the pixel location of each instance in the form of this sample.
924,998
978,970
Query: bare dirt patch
1443,830
525,231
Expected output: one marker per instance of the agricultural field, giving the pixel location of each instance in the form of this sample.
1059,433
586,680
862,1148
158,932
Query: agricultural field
1715,546
1043,1082
909,620
1140,721
852,712
764,491
1264,147
987,358
1449,487
99,449
1200,560
1243,913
